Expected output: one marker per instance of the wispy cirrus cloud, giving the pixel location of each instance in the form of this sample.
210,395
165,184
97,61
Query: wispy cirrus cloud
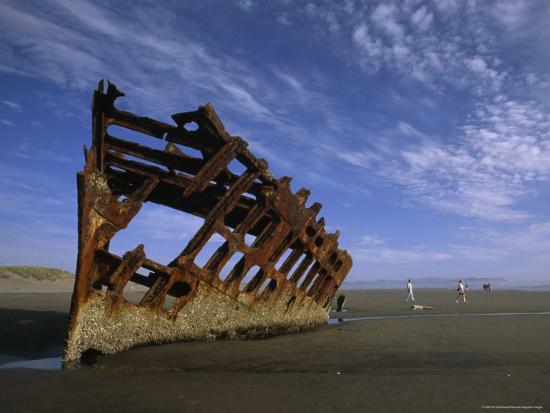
373,249
38,220
25,150
484,244
284,19
59,33
491,163
405,38
164,68
163,231
246,5
533,239
441,104
163,223
12,104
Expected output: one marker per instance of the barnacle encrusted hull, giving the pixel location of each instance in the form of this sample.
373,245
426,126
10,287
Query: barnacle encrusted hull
289,266
209,315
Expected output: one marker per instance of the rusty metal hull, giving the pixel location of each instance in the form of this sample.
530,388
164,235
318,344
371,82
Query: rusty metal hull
296,265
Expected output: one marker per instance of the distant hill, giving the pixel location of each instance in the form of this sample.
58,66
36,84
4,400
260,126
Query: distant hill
424,282
15,279
27,279
36,273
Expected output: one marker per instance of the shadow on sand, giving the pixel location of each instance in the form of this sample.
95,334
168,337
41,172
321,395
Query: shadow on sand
27,334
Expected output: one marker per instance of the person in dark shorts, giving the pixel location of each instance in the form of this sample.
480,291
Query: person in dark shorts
461,292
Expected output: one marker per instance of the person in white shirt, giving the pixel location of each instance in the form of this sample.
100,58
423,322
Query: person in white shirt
410,294
461,292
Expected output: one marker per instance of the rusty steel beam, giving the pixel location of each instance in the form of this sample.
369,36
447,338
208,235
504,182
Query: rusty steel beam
284,295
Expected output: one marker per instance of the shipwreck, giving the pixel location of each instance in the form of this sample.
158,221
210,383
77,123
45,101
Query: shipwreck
296,265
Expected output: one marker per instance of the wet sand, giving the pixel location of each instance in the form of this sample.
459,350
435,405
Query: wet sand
418,364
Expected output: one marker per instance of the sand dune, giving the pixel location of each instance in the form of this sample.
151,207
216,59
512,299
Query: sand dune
29,279
19,279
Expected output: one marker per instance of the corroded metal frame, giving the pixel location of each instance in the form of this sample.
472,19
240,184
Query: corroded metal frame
120,175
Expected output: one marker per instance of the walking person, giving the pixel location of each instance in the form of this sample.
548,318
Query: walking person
461,292
410,294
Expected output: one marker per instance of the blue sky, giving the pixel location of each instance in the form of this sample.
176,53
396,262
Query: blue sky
423,127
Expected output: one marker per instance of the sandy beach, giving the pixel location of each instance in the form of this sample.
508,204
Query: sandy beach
451,363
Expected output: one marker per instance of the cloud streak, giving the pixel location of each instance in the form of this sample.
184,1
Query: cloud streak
26,151
532,242
12,104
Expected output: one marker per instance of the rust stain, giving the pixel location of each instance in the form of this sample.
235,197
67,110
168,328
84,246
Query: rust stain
120,175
